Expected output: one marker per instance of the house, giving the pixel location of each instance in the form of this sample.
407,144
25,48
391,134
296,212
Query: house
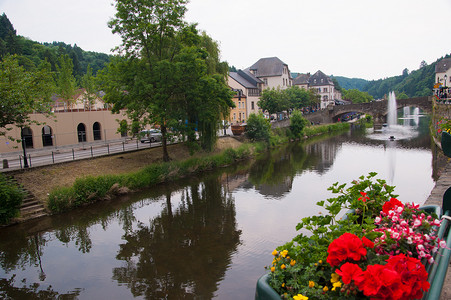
238,114
443,76
250,88
273,72
323,85
83,119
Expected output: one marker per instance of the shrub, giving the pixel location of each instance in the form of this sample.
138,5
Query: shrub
297,124
258,128
11,197
61,199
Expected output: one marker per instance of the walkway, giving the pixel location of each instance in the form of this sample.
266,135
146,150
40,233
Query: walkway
436,198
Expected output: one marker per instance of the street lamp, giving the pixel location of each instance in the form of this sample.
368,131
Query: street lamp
25,161
445,79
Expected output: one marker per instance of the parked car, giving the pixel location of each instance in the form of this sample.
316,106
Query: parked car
150,135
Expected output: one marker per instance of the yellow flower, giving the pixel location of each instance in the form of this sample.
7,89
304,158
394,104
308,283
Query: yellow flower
283,266
320,261
325,289
284,253
273,269
334,277
316,264
274,261
274,252
300,297
336,284
311,284
283,284
292,262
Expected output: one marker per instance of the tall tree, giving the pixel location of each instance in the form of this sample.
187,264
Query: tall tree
22,93
165,69
274,100
66,84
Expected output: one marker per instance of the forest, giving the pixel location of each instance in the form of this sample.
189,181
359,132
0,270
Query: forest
31,54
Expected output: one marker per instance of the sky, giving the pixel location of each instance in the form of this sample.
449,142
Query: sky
369,39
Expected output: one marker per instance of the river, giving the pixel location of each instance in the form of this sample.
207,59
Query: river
209,236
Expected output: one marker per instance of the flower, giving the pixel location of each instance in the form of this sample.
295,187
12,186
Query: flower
336,284
292,262
364,197
283,267
284,253
348,246
350,271
311,284
275,252
300,297
390,205
273,269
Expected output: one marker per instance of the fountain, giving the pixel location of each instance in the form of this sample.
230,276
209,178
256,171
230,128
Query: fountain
392,117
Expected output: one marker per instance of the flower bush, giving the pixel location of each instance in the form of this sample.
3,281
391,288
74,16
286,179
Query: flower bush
375,251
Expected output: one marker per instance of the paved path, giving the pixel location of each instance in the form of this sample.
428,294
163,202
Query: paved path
435,198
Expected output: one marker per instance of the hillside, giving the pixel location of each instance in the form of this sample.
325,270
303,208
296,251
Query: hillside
31,53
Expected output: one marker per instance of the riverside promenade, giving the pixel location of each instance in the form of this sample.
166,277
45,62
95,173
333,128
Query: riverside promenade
436,198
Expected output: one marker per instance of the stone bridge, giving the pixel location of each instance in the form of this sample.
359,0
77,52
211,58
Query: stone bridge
377,109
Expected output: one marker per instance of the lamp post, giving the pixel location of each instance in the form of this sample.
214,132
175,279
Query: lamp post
25,161
446,76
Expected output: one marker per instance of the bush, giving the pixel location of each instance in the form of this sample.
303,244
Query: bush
297,124
11,197
258,128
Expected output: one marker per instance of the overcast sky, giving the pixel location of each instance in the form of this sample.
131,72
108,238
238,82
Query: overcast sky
353,38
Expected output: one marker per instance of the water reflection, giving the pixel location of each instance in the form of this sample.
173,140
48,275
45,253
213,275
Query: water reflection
182,253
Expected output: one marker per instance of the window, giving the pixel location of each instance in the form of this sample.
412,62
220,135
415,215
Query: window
319,90
325,90
252,105
81,132
234,116
97,133
27,137
47,139
265,80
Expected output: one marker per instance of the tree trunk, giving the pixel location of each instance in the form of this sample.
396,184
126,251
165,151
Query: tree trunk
164,143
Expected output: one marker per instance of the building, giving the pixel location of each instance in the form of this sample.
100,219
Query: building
273,72
323,85
250,88
238,114
85,119
443,77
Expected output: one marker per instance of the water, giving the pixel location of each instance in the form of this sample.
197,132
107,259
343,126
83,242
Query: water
207,237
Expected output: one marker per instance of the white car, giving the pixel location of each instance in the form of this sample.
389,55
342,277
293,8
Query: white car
150,135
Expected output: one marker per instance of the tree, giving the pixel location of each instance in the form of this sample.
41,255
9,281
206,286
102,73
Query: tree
356,96
168,75
297,124
274,100
258,128
22,93
65,79
299,98
88,83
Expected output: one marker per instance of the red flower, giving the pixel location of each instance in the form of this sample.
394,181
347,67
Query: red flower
364,197
368,243
347,246
349,272
390,205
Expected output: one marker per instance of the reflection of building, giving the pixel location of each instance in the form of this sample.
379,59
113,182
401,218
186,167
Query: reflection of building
83,120
326,151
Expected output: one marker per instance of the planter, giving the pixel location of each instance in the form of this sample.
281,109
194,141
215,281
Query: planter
238,129
446,143
437,271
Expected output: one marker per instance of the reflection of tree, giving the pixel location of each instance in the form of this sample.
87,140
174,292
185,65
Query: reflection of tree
182,253
9,291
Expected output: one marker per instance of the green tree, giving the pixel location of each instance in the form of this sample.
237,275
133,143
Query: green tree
356,96
88,83
65,81
299,98
258,128
22,93
274,100
297,124
169,74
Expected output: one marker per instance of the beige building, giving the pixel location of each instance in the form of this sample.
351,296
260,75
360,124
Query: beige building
249,86
81,121
273,72
323,85
238,114
443,77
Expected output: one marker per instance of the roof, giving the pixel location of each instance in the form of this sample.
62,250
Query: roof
269,66
443,65
245,78
319,78
301,79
